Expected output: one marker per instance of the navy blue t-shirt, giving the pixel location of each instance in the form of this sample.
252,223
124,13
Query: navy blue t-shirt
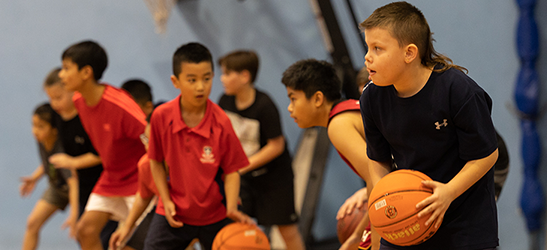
437,131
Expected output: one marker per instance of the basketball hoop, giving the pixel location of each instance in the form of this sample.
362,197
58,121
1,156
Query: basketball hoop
160,9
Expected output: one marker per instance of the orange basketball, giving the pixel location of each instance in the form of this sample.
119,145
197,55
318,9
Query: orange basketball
240,236
392,208
347,225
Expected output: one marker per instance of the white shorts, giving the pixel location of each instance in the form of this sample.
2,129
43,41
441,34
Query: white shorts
117,206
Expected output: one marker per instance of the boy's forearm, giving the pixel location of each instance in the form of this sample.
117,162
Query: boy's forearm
160,179
377,171
231,188
268,153
38,172
139,206
472,172
73,195
86,160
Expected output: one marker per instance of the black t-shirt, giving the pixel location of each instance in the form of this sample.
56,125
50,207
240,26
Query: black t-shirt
254,126
57,177
76,142
437,131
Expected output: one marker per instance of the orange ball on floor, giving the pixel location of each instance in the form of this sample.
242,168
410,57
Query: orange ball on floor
241,236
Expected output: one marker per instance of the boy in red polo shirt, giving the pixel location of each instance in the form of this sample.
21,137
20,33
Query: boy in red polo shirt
196,140
114,123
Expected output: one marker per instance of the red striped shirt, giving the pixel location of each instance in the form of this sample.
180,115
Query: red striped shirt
114,126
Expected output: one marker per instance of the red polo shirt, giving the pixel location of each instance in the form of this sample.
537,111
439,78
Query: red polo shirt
147,187
195,156
114,126
341,107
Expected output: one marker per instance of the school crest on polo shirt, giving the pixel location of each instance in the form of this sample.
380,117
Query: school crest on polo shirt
207,156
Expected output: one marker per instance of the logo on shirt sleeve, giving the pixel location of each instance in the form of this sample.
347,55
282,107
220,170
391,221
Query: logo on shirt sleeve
207,156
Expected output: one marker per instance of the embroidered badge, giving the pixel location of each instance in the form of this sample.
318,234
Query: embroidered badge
207,156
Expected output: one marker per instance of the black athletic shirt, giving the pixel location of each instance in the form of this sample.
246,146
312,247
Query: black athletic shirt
436,131
254,126
76,142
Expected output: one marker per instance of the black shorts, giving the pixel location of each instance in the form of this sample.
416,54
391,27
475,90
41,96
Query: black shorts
162,236
269,197
137,239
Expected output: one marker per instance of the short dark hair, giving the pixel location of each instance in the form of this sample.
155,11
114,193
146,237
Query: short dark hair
407,25
88,53
139,89
46,113
52,77
310,76
240,60
192,53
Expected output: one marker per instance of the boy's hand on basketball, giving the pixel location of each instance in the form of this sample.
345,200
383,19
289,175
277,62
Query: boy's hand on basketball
437,203
357,200
62,160
170,213
238,216
118,237
27,186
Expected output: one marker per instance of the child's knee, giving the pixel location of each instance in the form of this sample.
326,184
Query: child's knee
86,230
33,223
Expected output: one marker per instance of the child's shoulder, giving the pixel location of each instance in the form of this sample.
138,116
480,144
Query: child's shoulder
167,111
217,116
264,101
216,112
116,95
457,83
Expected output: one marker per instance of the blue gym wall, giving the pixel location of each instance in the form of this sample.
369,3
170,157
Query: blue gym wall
479,35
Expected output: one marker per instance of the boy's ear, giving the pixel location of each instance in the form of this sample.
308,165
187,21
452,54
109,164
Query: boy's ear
87,72
148,107
318,99
411,53
175,81
246,76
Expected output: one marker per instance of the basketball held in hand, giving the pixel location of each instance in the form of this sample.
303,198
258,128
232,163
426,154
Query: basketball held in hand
392,208
346,226
238,235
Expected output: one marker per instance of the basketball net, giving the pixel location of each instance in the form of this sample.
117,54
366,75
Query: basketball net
160,9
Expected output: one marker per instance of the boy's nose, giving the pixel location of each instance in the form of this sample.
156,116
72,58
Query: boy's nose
367,58
199,85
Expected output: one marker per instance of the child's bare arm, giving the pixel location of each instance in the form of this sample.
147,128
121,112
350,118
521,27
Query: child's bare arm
160,178
62,160
73,199
273,148
139,206
231,188
444,194
29,182
346,133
